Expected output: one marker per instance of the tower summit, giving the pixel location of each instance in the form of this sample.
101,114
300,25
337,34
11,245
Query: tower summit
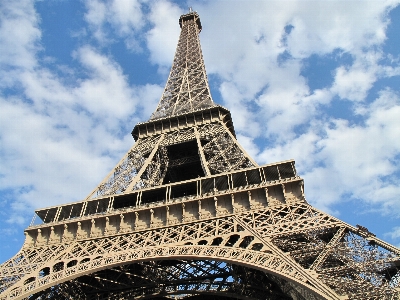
187,86
188,213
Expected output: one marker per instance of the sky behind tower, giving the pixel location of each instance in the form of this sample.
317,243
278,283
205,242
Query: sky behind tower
316,81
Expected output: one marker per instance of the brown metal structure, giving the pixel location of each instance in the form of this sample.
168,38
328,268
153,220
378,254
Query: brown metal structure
187,213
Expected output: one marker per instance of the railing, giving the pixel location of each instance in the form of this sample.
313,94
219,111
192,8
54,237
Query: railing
168,193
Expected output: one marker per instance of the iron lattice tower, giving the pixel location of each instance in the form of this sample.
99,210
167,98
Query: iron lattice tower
187,213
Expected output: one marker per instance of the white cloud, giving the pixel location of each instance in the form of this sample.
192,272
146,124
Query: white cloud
162,38
149,95
256,31
395,233
126,15
96,13
241,113
339,159
353,83
60,136
106,91
322,26
123,18
40,158
355,160
301,148
74,128
19,34
248,145
253,43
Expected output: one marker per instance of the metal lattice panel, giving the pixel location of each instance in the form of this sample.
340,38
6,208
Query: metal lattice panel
221,150
187,86
128,168
333,255
182,279
146,164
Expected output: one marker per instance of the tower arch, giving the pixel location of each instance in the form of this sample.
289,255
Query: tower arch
173,258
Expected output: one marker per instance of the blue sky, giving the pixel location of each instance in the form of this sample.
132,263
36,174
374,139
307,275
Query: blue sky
316,81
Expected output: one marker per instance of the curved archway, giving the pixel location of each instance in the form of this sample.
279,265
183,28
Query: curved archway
262,261
179,279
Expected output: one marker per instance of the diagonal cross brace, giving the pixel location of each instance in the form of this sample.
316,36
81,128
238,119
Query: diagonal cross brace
315,282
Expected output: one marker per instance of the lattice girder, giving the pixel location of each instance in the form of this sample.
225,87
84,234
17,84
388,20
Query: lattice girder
147,162
219,218
187,85
91,257
206,240
186,279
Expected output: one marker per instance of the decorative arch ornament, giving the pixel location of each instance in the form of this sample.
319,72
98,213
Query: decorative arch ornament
264,261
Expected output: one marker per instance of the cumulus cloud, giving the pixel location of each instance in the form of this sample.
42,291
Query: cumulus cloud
19,34
395,233
264,46
123,18
60,136
106,91
302,148
353,84
316,31
361,155
162,38
339,158
240,110
254,46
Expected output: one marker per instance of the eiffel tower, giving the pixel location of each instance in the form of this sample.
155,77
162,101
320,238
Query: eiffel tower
187,213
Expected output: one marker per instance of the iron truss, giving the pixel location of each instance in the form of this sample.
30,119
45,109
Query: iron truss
291,248
188,214
187,86
175,278
146,163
